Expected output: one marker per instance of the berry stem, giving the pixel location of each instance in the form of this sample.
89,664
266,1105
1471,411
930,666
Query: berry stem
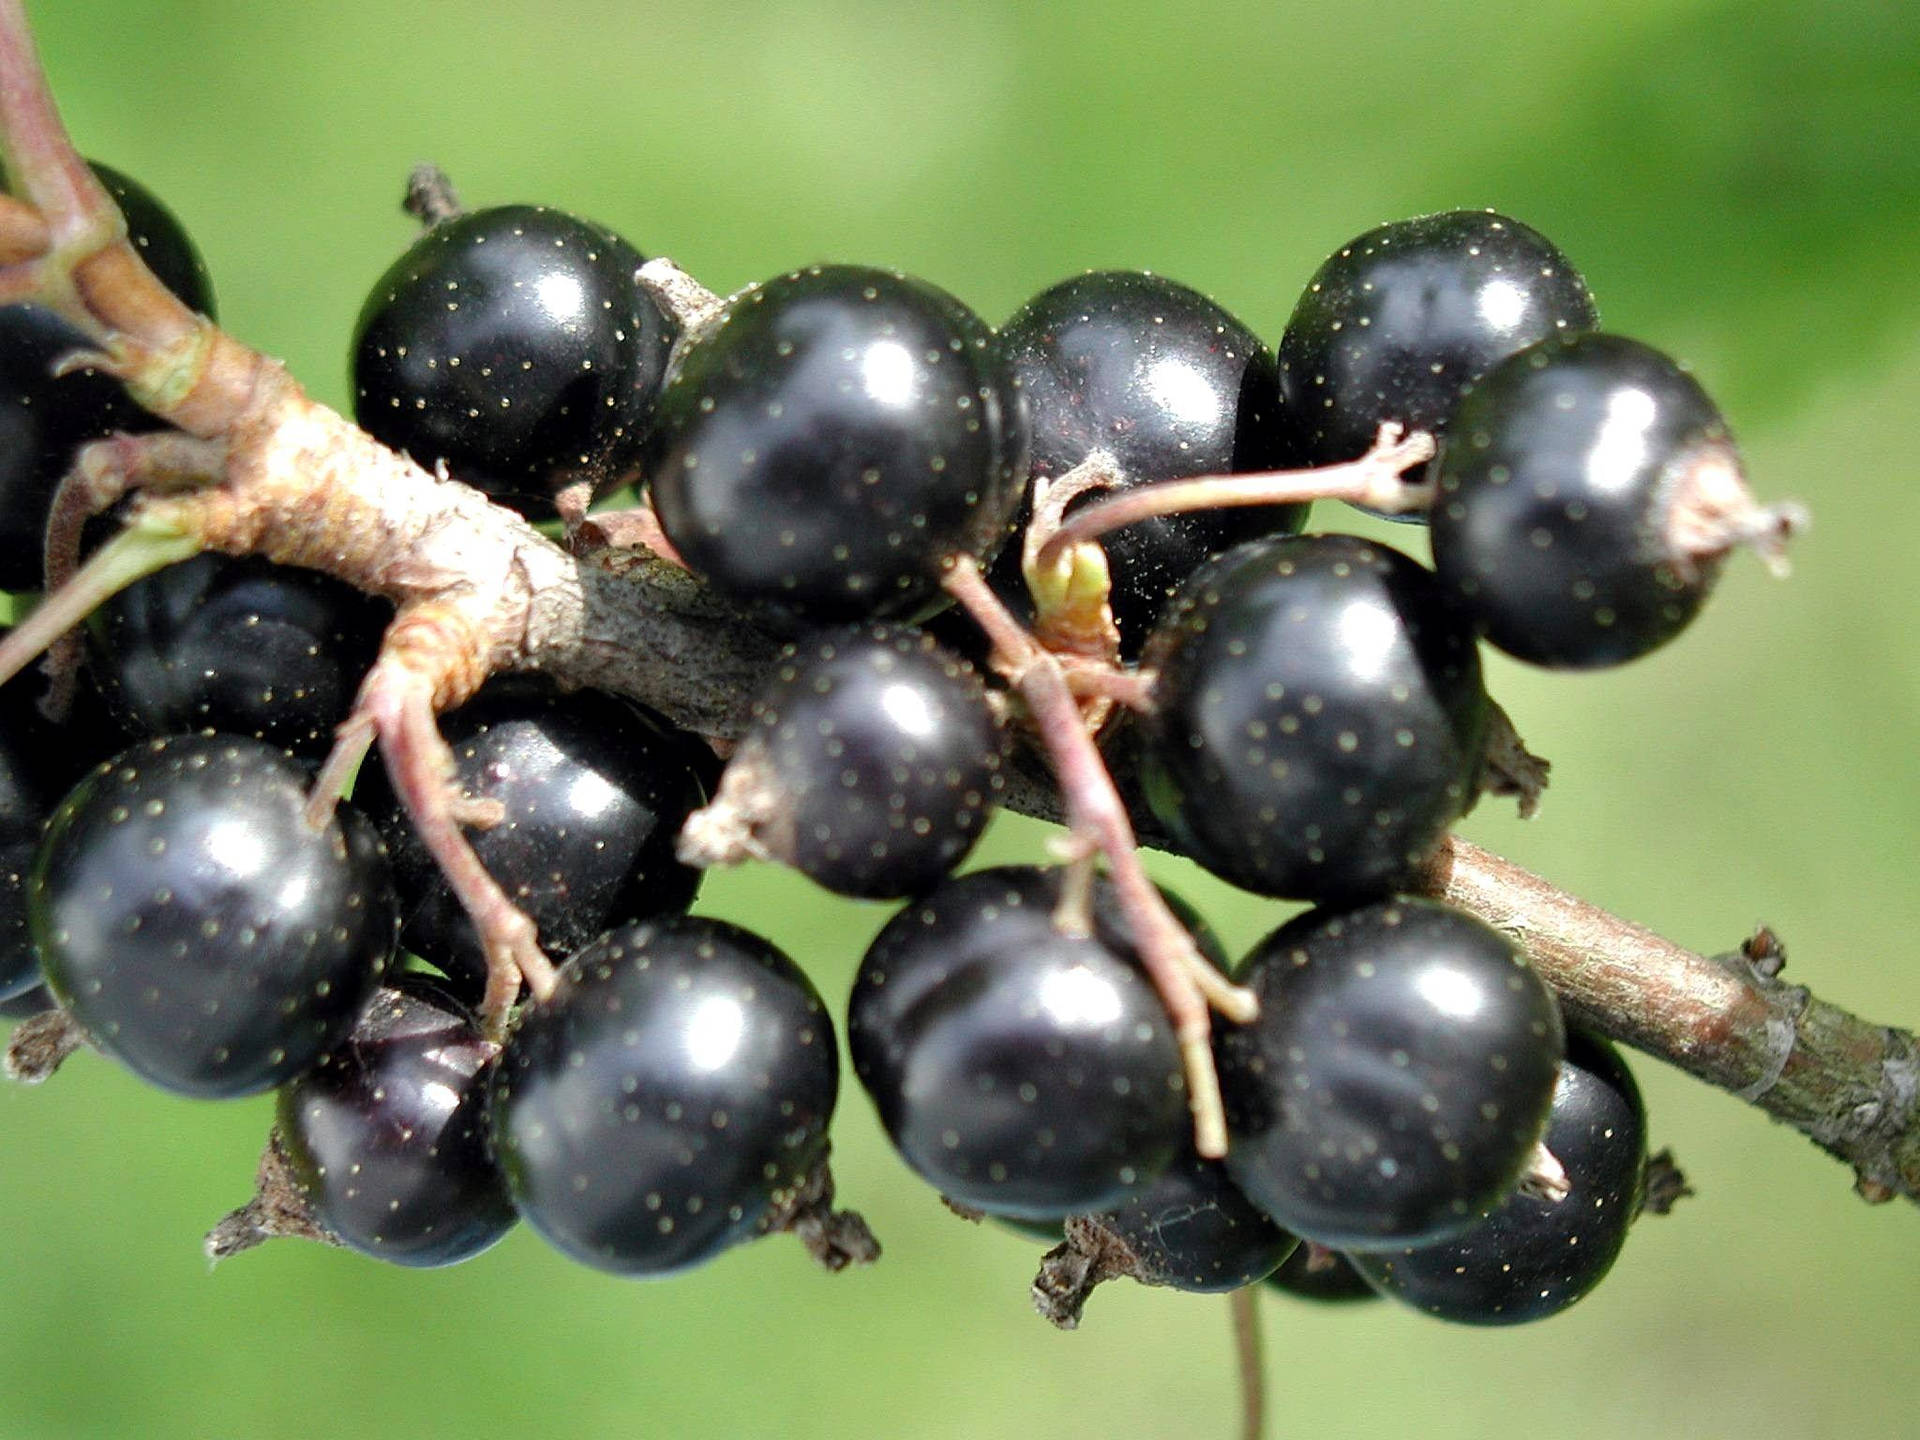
1374,480
23,233
1094,809
1244,1306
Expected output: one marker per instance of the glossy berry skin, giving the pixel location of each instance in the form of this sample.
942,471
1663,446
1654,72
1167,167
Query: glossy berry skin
1019,1069
1397,1079
836,436
237,645
1191,1229
511,345
31,1001
29,790
1171,385
43,420
1532,1258
387,1135
1319,718
1321,1275
39,763
872,762
197,927
660,1106
1558,489
594,790
1401,320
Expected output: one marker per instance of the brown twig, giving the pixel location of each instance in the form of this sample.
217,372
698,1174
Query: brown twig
1851,1086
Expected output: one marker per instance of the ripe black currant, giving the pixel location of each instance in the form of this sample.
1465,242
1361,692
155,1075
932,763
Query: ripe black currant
1401,320
1574,477
1318,720
1314,1272
1189,1228
43,419
29,790
1020,1063
31,1001
1533,1257
387,1136
593,790
1398,1078
237,645
513,346
871,765
1169,384
833,438
199,928
668,1098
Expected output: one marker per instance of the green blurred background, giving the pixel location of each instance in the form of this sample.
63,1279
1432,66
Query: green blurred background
1740,183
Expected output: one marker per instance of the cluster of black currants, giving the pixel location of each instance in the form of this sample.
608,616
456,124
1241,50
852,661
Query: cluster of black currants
839,448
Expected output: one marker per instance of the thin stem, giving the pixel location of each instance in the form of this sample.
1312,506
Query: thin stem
1095,810
1247,1350
1374,480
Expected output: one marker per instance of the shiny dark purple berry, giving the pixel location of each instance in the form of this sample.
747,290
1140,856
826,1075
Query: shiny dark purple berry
666,1102
197,926
1401,320
31,1001
833,439
1314,1272
1319,718
1020,1066
1397,1080
1532,1257
1191,1229
512,345
1568,489
593,790
387,1136
1169,384
43,420
237,645
871,765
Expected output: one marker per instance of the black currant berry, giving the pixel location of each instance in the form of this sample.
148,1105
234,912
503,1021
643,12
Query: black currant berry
27,744
387,1136
1397,1080
197,926
43,420
668,1099
593,789
871,765
31,1001
1575,478
833,439
1191,1229
1533,1257
1314,1272
1401,320
513,346
1020,1066
242,646
1318,719
1169,384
